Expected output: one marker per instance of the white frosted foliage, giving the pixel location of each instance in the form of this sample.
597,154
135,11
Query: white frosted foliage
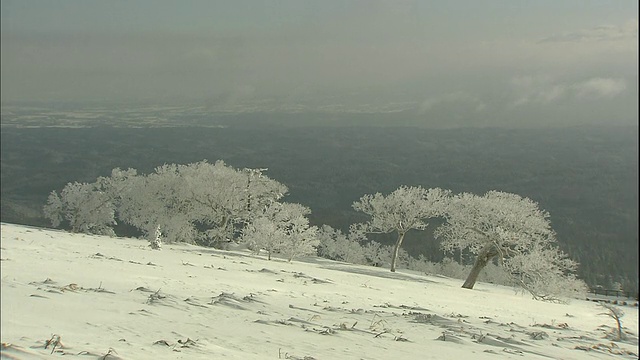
518,233
156,243
282,228
85,207
406,208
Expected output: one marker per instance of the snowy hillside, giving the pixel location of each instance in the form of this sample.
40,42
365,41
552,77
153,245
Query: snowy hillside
90,296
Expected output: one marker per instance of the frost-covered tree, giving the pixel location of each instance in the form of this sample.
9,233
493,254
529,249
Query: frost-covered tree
512,229
197,203
156,200
156,244
335,245
300,238
260,192
404,209
224,198
262,234
545,272
86,208
282,228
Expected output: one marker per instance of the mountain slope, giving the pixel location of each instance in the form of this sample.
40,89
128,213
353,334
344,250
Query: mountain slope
114,295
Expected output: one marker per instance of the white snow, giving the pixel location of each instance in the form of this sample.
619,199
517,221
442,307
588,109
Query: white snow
116,295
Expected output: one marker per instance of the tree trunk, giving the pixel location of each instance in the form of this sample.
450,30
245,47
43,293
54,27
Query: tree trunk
481,261
396,249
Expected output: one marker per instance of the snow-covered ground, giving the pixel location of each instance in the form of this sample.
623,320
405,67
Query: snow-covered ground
89,296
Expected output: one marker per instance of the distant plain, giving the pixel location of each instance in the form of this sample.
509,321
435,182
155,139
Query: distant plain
586,177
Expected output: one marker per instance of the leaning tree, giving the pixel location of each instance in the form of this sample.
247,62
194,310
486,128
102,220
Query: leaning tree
510,228
404,209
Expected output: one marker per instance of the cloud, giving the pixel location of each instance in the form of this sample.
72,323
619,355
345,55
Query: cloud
536,89
599,88
627,31
459,99
544,90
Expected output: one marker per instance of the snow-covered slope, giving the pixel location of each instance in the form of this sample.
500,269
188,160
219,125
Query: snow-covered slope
115,296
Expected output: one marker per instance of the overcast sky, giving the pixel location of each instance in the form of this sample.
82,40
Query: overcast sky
479,62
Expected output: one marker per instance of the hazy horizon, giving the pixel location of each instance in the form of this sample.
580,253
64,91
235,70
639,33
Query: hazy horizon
486,63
